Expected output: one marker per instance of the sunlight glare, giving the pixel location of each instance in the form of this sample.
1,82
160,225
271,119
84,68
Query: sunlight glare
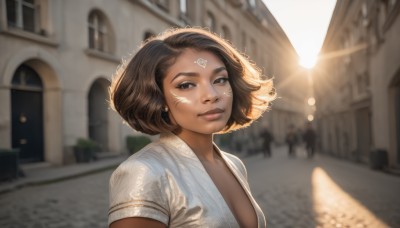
308,61
305,24
333,206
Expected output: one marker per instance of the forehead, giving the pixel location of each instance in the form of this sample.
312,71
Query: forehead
189,61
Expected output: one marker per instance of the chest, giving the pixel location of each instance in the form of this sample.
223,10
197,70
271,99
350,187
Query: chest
233,193
202,196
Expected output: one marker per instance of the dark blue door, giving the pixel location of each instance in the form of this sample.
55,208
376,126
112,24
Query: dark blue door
27,114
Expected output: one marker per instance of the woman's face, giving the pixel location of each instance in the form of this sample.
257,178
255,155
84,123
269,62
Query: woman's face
198,93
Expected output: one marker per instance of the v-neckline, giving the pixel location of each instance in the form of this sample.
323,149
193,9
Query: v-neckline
188,152
239,180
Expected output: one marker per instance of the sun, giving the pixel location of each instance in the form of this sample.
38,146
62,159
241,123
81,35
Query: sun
308,61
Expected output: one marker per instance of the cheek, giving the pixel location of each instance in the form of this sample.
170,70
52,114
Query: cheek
227,92
177,99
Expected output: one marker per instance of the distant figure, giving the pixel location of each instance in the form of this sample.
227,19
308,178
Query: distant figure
267,139
291,140
309,137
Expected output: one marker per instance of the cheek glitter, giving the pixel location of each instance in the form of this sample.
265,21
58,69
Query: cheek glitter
179,99
228,93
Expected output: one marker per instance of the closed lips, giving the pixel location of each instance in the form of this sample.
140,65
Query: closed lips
214,111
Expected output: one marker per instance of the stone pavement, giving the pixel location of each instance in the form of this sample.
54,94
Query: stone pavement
58,197
44,173
292,191
322,191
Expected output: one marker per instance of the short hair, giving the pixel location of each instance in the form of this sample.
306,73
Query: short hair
136,91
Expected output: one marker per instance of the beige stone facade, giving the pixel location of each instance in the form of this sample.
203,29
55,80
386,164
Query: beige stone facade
357,81
57,58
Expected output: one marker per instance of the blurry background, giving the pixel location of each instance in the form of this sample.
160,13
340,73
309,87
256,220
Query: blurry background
57,58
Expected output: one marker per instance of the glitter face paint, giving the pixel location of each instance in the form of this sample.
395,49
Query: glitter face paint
201,62
180,99
191,98
228,93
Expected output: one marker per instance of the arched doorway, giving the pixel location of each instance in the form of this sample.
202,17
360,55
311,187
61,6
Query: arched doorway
27,114
98,113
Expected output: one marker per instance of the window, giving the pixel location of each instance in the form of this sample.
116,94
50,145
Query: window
253,49
183,7
244,42
98,36
252,3
226,33
26,78
360,86
364,10
22,14
210,21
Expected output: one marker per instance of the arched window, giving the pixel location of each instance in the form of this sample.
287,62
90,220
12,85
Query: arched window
22,14
98,32
210,21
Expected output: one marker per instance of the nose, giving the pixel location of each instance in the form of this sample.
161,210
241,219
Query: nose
210,94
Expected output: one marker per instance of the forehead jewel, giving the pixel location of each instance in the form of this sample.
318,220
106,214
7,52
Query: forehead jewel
201,62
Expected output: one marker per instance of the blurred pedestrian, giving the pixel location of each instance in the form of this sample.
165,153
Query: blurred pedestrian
267,138
291,140
186,85
309,137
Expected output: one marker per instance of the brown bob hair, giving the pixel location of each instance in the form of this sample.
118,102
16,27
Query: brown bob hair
136,91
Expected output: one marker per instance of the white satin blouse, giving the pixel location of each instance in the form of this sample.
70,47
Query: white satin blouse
166,181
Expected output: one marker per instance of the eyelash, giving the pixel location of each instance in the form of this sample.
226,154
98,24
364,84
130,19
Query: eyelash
222,80
185,85
188,85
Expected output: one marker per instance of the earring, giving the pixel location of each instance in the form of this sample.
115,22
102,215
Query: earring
166,109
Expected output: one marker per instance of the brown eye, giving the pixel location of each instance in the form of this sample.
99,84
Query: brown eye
221,80
185,85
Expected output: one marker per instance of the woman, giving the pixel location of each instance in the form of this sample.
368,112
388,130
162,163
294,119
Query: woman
186,85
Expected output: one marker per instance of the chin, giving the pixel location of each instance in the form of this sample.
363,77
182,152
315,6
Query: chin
214,130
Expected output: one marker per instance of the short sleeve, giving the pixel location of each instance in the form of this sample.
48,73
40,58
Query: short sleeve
137,190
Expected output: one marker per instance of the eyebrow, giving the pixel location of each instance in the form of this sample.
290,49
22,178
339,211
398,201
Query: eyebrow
195,74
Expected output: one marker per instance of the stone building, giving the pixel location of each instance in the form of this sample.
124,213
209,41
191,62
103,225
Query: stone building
357,81
57,58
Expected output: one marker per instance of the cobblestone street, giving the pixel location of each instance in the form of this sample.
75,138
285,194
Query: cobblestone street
292,191
323,192
80,203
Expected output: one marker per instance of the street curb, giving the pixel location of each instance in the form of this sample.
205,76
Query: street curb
15,186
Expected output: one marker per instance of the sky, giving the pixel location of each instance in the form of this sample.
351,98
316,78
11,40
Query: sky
305,22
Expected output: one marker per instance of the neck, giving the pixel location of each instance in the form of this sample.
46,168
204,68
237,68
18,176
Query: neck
201,144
